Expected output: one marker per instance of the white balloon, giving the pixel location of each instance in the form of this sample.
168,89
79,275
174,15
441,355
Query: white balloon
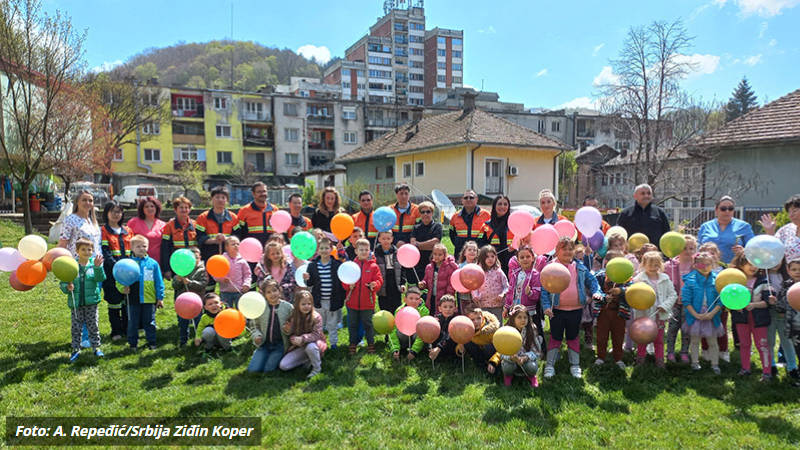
298,275
764,251
10,259
349,272
32,247
252,305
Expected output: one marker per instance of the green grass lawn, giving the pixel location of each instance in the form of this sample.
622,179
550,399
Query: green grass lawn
370,401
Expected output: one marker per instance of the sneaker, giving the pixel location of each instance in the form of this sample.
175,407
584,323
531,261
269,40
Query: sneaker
99,353
116,337
74,356
549,371
715,369
621,364
696,367
575,371
765,377
684,358
313,373
671,357
725,356
744,373
85,343
598,362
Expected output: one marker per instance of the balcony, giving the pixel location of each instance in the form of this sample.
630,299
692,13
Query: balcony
193,139
260,116
258,141
386,123
327,146
179,164
258,136
259,162
585,133
197,113
320,120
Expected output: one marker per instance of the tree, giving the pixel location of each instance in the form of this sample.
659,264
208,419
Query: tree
743,100
41,57
190,177
567,170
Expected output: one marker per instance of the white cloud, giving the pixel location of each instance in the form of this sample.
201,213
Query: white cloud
701,64
606,76
541,73
320,54
762,8
579,102
597,48
719,3
773,42
489,30
763,29
106,66
752,60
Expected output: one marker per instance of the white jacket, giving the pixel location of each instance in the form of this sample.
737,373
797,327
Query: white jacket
665,297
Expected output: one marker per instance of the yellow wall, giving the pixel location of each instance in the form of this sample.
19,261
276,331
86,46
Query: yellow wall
445,170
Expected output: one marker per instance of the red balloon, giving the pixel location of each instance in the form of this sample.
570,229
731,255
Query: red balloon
455,281
643,330
555,277
31,272
16,284
428,329
52,254
461,329
472,276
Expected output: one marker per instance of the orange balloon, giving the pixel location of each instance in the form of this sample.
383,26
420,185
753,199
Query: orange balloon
52,254
218,266
31,273
229,323
342,226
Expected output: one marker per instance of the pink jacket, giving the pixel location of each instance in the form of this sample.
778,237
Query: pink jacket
494,289
238,277
673,270
316,335
443,286
532,281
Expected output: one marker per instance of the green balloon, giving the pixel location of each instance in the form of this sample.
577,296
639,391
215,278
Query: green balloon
303,245
619,270
383,322
735,296
182,262
672,243
65,268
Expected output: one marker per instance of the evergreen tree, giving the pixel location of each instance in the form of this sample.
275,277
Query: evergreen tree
743,101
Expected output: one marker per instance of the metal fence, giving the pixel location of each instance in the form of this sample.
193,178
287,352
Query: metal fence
690,219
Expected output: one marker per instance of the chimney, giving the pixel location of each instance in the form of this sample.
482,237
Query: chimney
469,100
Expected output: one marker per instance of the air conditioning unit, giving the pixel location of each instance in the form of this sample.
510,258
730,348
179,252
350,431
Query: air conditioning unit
513,171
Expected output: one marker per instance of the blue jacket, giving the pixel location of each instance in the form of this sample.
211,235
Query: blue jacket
694,285
585,279
150,287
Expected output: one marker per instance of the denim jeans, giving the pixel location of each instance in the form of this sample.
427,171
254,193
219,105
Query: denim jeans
142,315
266,357
183,327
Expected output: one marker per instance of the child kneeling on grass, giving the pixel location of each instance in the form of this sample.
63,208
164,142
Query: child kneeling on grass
480,348
143,296
268,335
83,301
306,339
444,346
212,305
525,361
399,342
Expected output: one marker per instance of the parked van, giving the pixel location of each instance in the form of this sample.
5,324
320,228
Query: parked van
130,195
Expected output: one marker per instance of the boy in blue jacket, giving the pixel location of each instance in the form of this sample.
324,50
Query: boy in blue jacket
144,296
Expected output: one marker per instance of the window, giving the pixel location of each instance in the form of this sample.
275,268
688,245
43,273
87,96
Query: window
291,134
346,85
224,157
196,129
151,99
380,60
419,169
118,155
151,128
316,136
416,65
618,178
345,73
254,108
456,41
378,173
380,74
406,170
220,103
415,101
415,76
457,80
389,171
440,78
400,39
441,40
292,159
494,176
555,126
152,154
416,89
604,179
186,103
540,126
416,26
224,131
441,52
350,137
400,26
457,66
189,154
415,51
360,73
348,115
696,173
379,48
685,173
457,53
290,109
441,65
400,51
415,38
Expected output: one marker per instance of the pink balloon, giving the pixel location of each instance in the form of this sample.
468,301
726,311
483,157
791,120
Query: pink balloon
472,276
588,220
565,228
188,305
455,281
520,222
280,221
287,252
544,239
408,255
428,329
406,320
251,250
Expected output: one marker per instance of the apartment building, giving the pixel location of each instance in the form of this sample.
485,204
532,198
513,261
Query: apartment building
444,61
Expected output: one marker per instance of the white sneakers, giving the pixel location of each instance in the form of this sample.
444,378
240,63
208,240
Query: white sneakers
575,371
621,365
598,362
725,356
549,371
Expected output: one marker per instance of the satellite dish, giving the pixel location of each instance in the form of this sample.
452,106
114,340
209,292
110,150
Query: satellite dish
532,210
443,203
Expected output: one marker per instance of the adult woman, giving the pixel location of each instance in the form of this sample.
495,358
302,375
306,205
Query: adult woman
328,202
728,233
82,223
178,233
789,234
547,203
149,225
425,234
496,233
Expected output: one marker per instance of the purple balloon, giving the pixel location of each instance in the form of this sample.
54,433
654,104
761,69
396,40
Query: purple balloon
596,241
588,220
10,259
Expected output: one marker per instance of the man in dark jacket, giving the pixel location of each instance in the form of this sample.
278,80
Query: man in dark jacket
644,217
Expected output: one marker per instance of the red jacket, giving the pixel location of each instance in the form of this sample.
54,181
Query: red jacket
359,296
443,286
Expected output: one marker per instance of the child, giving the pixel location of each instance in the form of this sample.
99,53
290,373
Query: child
208,335
275,265
399,341
237,281
722,341
355,236
437,276
754,319
676,269
268,334
361,297
196,282
618,242
490,296
587,319
394,278
480,348
306,340
524,286
701,310
468,255
323,279
565,309
144,296
777,318
712,249
653,274
83,301
444,346
116,245
530,352
612,312
792,318
648,247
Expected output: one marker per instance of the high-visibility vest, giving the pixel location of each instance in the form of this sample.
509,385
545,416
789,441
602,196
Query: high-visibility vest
364,221
470,230
207,226
254,221
118,244
492,238
180,237
405,222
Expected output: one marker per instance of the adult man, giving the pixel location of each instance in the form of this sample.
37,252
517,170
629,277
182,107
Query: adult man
466,225
644,217
295,210
407,215
363,218
254,217
213,226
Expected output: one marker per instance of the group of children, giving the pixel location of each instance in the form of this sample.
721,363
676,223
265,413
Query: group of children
288,335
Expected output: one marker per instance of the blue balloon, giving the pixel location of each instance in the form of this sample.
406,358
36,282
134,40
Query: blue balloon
384,218
604,249
126,271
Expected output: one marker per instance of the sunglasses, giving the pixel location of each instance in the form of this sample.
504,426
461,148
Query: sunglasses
726,208
426,212
469,197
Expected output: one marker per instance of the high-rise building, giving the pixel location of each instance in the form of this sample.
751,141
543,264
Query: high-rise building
444,61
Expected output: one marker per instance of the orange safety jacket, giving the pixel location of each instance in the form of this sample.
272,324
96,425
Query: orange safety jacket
405,222
207,226
462,231
174,236
254,221
489,236
364,221
302,222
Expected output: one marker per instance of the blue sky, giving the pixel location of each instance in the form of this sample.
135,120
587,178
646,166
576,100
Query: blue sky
541,53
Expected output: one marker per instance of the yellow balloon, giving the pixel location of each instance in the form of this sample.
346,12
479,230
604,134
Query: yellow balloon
640,296
730,276
636,241
617,230
507,340
32,247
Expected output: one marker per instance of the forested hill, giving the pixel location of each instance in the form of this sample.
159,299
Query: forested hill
208,65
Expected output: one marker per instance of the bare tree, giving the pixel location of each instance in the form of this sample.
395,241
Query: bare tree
41,57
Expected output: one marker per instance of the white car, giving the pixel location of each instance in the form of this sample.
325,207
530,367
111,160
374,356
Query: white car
130,195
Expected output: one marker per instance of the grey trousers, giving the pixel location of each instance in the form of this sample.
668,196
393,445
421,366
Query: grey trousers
510,368
299,356
330,321
212,339
85,315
